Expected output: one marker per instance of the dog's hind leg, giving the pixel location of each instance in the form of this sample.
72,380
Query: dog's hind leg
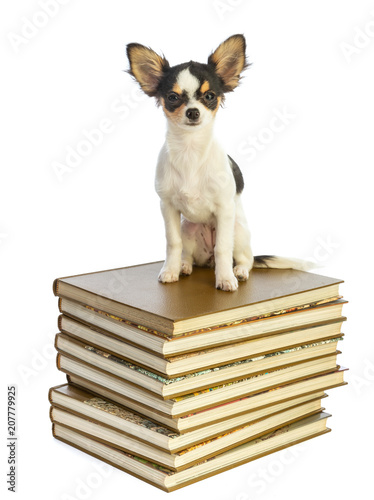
189,245
198,245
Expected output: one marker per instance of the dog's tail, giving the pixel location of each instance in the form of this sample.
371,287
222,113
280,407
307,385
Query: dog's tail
271,261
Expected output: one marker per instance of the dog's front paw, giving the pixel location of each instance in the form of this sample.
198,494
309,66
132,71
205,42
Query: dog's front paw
241,272
168,276
186,268
227,284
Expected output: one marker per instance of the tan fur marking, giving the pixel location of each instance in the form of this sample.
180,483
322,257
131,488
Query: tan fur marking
167,113
176,88
175,116
219,99
205,87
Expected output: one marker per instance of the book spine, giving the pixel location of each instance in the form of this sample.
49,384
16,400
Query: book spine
50,395
51,414
59,322
55,287
60,304
58,361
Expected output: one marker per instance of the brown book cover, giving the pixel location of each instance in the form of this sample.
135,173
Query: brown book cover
199,419
167,480
193,454
120,418
192,303
306,316
202,359
169,388
208,398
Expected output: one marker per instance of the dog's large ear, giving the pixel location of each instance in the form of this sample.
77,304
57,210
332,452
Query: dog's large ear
146,67
229,60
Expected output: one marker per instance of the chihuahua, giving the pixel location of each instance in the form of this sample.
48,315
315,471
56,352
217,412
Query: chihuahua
199,185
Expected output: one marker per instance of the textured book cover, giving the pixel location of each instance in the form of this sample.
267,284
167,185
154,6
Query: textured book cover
137,295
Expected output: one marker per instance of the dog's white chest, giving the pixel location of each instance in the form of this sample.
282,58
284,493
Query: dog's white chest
194,180
193,204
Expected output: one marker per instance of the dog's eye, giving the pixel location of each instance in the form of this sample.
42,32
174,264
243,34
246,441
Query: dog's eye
173,97
209,96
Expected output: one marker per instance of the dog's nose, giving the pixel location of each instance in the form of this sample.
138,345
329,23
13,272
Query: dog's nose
193,114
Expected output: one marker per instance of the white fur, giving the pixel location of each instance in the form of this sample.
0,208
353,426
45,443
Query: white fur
194,180
188,82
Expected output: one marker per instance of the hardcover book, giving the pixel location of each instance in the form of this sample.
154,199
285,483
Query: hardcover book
203,359
265,401
168,480
182,459
154,341
103,411
201,400
169,388
192,303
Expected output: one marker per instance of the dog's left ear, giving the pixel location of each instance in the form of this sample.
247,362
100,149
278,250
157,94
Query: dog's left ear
229,61
147,67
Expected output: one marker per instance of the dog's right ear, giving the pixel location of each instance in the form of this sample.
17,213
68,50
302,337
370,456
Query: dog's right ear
146,67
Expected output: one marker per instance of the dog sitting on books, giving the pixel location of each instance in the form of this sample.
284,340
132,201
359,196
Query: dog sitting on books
199,185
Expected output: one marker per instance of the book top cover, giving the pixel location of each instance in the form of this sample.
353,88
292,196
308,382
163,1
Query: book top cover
137,287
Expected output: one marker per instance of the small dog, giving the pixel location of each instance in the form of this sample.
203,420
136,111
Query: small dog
198,183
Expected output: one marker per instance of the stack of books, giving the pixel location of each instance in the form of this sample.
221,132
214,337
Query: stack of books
175,383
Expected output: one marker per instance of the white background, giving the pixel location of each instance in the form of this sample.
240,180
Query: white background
308,194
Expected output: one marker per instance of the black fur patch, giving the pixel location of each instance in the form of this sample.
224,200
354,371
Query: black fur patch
203,72
262,259
172,105
238,176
